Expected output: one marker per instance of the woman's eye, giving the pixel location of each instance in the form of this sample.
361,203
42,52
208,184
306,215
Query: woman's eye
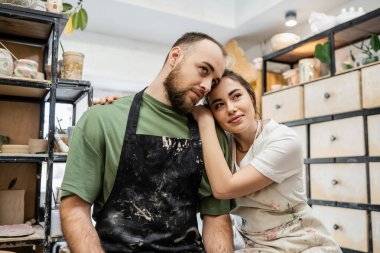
204,70
217,106
236,96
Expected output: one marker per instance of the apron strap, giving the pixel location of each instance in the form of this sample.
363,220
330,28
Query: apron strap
134,113
193,127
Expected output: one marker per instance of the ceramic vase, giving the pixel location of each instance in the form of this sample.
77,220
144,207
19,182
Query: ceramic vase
73,65
6,63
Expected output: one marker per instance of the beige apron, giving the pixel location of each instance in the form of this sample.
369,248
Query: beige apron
304,233
277,218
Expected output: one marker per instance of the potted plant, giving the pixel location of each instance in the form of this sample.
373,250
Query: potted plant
322,53
370,50
77,16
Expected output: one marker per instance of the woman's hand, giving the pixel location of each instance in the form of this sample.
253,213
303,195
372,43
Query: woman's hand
105,100
203,115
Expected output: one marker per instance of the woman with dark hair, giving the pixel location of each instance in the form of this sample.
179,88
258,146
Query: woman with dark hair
271,213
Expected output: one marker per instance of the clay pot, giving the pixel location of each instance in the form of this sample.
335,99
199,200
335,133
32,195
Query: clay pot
6,63
73,65
37,146
26,68
54,6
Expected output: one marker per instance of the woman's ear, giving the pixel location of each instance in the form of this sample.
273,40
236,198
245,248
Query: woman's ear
175,55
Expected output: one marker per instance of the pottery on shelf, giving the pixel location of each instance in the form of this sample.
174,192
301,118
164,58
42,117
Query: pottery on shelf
282,40
26,68
73,65
37,146
6,63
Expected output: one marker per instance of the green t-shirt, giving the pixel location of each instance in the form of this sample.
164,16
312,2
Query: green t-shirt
96,145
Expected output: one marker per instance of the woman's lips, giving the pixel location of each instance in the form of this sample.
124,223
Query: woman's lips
235,119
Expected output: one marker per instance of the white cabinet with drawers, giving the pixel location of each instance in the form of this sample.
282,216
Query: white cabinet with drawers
346,182
337,138
348,226
375,217
333,95
337,117
340,135
285,105
371,86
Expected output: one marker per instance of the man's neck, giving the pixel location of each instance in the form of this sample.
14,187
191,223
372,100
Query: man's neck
157,90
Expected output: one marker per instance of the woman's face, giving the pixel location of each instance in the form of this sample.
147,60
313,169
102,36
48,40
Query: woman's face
232,106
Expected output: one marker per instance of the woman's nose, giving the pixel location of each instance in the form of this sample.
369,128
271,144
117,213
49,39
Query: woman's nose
231,108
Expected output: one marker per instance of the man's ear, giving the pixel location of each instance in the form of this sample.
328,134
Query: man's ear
175,56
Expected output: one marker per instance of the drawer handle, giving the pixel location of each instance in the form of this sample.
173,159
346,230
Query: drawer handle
336,227
277,106
327,95
334,182
332,138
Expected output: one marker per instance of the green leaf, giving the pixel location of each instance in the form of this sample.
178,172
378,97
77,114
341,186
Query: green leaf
75,20
66,7
82,19
322,52
375,42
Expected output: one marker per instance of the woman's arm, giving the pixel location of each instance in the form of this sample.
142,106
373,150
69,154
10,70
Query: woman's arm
224,184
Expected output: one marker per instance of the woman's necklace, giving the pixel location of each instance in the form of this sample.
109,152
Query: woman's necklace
258,130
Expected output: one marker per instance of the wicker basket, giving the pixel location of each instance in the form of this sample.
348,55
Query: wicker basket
23,3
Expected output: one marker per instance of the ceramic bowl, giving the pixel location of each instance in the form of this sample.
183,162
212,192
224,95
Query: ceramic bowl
283,40
26,68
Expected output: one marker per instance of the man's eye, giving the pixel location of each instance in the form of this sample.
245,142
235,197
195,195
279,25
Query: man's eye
214,82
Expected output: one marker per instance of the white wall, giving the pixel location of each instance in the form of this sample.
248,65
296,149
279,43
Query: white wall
116,65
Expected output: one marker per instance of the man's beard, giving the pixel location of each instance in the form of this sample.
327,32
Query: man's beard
176,96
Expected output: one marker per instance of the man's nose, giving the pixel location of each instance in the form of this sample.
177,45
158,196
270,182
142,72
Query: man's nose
206,84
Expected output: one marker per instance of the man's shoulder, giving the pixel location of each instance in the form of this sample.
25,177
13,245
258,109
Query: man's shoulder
115,107
96,115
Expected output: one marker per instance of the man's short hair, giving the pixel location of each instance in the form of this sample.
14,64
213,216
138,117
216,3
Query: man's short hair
191,38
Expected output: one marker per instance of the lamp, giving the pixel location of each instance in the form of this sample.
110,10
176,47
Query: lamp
290,18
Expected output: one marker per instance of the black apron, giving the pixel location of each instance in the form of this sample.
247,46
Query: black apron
152,206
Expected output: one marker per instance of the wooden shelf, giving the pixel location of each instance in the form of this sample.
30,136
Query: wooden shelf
23,158
36,238
27,25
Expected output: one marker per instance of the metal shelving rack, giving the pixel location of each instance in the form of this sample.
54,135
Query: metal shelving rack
339,36
40,29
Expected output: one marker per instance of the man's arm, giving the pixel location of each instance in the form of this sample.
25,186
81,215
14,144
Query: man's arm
77,227
217,234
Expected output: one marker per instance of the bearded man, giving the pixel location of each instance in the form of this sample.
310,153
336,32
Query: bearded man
138,161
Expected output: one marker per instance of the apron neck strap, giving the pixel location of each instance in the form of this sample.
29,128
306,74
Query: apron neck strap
134,113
